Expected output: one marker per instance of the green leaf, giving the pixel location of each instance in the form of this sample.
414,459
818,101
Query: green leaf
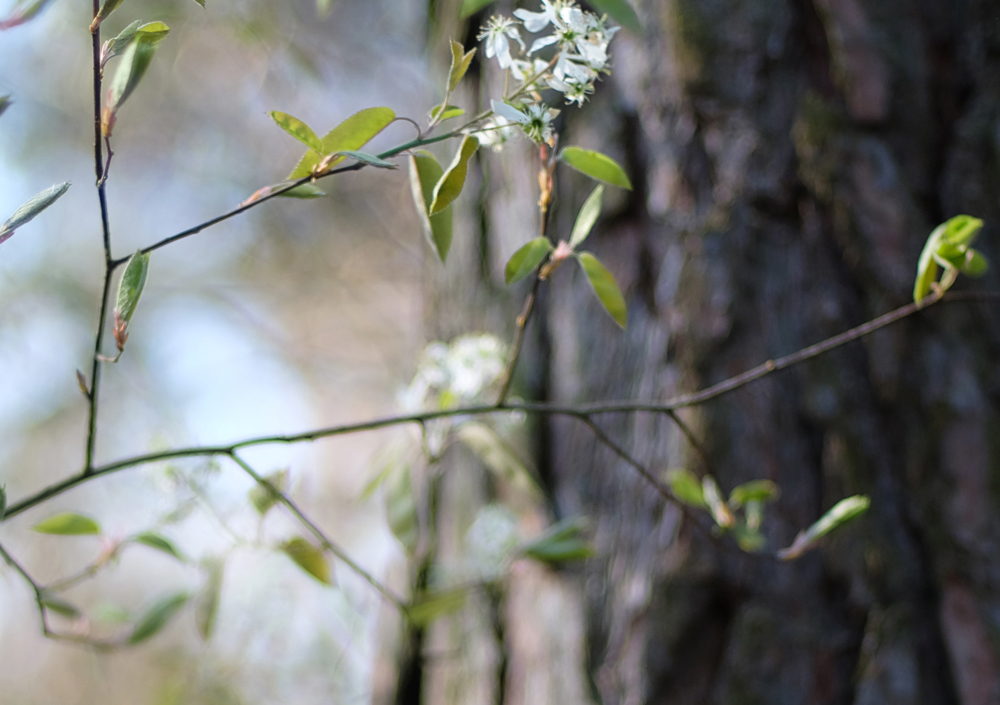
450,185
841,513
157,616
686,487
5,102
148,538
471,7
3,501
401,510
353,133
131,286
23,12
459,64
263,497
59,605
302,191
961,230
366,158
107,8
450,111
134,64
497,456
947,246
975,265
562,542
429,606
621,12
713,498
308,557
35,205
755,490
596,166
297,129
68,524
526,259
605,287
588,216
749,540
120,43
425,172
206,605
200,2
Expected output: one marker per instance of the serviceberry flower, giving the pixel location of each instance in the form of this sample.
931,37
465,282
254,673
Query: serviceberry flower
495,133
535,120
495,33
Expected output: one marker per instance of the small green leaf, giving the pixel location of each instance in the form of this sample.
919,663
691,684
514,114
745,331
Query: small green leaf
471,7
497,456
131,286
686,487
450,185
401,510
459,64
353,133
115,47
308,557
200,2
961,230
263,497
429,606
134,64
946,246
755,490
526,259
59,605
562,542
5,102
450,111
160,543
297,129
588,216
107,8
425,172
366,158
302,191
206,605
23,12
713,498
749,540
975,265
605,287
3,501
157,616
621,12
596,166
35,205
68,524
841,513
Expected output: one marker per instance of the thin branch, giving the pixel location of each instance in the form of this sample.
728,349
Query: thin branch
515,352
328,544
616,407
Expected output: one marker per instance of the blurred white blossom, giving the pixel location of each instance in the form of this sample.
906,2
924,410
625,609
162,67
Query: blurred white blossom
495,33
535,120
463,372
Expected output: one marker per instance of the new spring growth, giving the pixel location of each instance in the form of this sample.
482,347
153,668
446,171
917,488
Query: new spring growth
129,291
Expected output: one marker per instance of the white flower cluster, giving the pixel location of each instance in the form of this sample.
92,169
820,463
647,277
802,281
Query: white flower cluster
455,374
581,40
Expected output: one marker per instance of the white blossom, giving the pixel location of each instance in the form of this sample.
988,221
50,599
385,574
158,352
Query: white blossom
535,120
495,33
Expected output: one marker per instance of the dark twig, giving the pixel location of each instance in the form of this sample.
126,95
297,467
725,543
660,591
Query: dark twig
515,351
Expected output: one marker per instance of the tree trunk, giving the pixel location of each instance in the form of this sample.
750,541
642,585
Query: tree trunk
790,159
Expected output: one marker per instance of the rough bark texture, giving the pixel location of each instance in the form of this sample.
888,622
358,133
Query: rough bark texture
790,158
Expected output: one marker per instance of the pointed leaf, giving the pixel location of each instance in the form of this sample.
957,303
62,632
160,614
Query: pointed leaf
562,542
588,216
5,102
200,2
596,166
23,12
497,456
59,606
308,557
713,498
459,64
621,12
35,205
107,7
447,112
401,510
131,286
755,490
975,265
305,191
841,513
352,133
68,524
605,287
297,129
430,606
686,487
961,230
471,7
206,605
526,259
157,616
159,543
450,185
366,158
425,172
3,501
134,64
263,497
